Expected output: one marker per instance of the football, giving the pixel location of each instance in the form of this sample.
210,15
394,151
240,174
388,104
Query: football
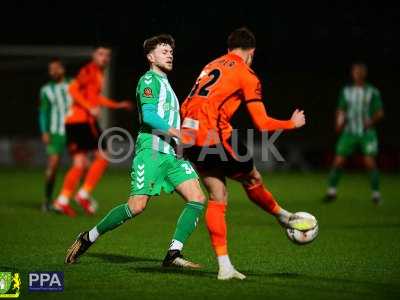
303,237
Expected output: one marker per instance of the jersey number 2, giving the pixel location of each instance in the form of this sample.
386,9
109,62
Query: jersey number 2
204,90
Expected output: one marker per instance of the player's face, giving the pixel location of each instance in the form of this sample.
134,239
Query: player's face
56,71
101,57
358,73
162,57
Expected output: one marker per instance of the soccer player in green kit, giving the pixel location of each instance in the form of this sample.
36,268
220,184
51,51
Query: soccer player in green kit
359,110
55,101
155,166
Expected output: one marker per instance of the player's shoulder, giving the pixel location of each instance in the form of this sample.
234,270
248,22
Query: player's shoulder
45,87
373,88
87,71
148,78
347,87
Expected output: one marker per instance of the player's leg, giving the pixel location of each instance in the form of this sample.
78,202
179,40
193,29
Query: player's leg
95,172
183,178
369,147
344,147
263,198
214,181
114,218
54,151
372,168
53,162
145,175
71,181
334,177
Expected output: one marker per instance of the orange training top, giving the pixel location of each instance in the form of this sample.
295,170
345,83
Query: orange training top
222,85
86,90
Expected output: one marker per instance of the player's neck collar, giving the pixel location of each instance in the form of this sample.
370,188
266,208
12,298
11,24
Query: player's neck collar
158,74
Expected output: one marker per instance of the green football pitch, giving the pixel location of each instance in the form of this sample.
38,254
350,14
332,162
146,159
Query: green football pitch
356,255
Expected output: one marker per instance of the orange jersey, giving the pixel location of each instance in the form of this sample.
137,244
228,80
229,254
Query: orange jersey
222,86
86,91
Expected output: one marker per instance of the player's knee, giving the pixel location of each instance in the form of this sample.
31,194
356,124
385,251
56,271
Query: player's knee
252,178
338,162
81,161
220,195
369,163
137,204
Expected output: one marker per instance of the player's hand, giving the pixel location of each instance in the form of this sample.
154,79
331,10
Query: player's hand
125,105
174,132
95,111
367,123
340,121
298,118
45,138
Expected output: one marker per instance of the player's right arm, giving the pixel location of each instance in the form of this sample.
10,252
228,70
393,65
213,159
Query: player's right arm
251,88
44,116
340,120
148,93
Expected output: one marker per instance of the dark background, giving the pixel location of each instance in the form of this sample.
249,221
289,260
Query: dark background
303,55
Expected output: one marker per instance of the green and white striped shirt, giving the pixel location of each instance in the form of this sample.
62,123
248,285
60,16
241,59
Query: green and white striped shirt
155,89
55,102
360,103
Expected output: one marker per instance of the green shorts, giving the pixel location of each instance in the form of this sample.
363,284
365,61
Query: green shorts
348,143
56,145
153,171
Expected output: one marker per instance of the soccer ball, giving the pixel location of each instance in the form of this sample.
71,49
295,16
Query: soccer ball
302,237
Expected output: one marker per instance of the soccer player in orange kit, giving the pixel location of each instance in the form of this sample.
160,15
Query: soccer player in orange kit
222,86
83,133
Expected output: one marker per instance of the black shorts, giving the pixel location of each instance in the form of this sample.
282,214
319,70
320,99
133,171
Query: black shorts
83,137
210,158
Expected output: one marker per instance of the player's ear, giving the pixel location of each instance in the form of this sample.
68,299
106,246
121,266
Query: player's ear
150,57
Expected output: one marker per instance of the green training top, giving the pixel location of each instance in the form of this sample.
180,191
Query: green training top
154,88
359,103
55,101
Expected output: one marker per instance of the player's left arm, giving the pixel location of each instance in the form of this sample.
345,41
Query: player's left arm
377,112
107,102
251,88
44,116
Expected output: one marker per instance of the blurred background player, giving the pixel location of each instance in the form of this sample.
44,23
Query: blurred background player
359,111
83,132
222,86
55,101
155,166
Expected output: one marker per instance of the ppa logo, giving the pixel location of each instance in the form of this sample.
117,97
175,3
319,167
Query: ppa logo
46,281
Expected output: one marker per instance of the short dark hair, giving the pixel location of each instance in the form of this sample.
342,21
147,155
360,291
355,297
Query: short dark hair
241,38
56,60
360,64
151,43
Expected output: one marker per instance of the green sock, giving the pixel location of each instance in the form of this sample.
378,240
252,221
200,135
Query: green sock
187,222
334,177
116,217
374,177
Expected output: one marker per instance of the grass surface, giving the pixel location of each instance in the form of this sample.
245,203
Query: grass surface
356,256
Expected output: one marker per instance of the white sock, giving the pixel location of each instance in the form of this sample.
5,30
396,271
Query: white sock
224,262
63,200
176,245
376,194
331,191
83,193
93,234
283,216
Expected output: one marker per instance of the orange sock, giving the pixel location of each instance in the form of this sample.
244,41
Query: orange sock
95,172
216,225
259,195
71,180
